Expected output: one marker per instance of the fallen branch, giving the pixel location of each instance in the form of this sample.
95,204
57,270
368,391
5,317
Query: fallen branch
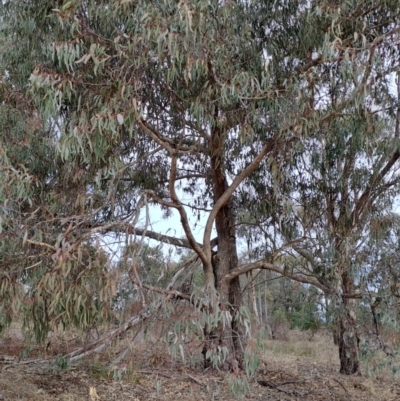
101,343
6,359
266,383
28,362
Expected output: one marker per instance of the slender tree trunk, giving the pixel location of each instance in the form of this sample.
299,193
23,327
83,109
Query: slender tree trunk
348,336
331,319
267,320
336,331
253,299
259,297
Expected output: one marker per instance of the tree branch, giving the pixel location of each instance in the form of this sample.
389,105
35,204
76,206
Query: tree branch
262,264
167,239
184,219
166,143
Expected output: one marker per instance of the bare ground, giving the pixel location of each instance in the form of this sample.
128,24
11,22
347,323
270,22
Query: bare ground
294,368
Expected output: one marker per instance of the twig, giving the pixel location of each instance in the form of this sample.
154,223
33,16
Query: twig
152,372
29,241
341,385
197,381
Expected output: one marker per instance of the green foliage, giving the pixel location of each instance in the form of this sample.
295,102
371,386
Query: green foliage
377,362
71,294
251,361
279,317
239,386
305,319
59,364
118,373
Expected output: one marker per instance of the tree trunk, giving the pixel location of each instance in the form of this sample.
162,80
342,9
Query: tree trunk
229,292
348,336
348,344
224,260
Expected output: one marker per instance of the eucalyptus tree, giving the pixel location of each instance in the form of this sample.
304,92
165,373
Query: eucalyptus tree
343,174
212,99
347,179
351,184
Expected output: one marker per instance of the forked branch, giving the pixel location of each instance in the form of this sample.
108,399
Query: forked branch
229,192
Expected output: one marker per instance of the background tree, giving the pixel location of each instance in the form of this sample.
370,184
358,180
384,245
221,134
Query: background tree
339,175
349,177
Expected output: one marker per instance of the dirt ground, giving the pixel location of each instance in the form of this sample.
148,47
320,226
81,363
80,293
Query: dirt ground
294,368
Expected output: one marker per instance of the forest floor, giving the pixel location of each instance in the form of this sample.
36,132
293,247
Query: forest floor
293,368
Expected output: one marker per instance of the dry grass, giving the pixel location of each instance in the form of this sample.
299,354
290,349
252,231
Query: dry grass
293,368
298,348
